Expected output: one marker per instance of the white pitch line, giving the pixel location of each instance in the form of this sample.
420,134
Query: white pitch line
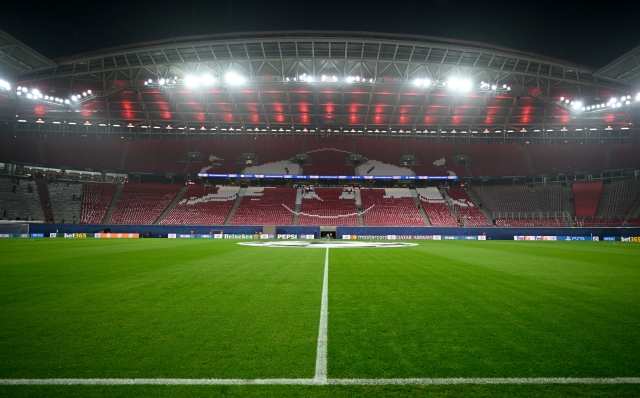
321,356
309,382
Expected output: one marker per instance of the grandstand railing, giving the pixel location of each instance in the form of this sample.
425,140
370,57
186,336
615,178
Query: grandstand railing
550,215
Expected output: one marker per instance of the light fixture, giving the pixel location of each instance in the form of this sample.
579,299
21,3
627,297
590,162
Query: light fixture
234,79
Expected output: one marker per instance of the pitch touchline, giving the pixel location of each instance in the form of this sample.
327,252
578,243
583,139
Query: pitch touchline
321,357
335,382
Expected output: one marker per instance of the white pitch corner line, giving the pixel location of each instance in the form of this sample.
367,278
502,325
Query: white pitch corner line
321,357
314,381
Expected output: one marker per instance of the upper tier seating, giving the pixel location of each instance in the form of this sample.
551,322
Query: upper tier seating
375,168
328,206
436,158
84,153
275,149
384,150
501,198
202,206
624,156
96,198
561,159
22,203
264,206
158,156
62,203
19,149
220,156
143,203
468,212
550,197
495,159
435,207
622,196
390,206
329,155
281,167
586,197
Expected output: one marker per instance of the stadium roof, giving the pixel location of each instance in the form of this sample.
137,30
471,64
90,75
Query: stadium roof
316,78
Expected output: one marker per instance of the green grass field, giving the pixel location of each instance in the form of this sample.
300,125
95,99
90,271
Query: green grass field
200,309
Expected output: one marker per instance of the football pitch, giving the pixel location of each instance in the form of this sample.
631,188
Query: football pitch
152,317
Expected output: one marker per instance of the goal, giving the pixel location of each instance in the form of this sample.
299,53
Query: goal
11,230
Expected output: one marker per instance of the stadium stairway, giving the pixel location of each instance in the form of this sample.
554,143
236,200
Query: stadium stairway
41,155
607,157
359,203
43,193
535,199
114,201
604,199
296,210
414,194
235,205
125,153
171,205
528,159
567,205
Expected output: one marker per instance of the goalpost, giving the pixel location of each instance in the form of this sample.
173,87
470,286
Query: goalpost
8,230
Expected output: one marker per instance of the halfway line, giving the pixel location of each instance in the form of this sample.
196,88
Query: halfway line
321,357
335,382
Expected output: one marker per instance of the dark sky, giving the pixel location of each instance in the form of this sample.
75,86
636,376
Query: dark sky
583,32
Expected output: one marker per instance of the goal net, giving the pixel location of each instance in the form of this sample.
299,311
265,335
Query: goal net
13,230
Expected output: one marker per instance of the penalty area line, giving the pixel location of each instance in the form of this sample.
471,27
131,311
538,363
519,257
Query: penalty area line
321,356
324,382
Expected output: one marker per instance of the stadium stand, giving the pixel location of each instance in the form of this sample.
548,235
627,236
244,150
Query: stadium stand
633,222
221,156
24,203
496,159
62,201
266,206
328,206
19,149
156,156
390,206
622,195
563,159
375,168
281,167
624,156
275,149
435,207
84,153
501,198
202,206
383,150
96,198
436,158
586,197
143,203
530,223
329,155
466,209
550,197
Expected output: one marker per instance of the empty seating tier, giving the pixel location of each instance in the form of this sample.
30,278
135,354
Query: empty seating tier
266,206
96,198
157,156
23,203
389,207
143,203
530,223
202,206
566,159
622,196
435,207
221,156
384,150
550,197
436,158
274,149
63,204
329,162
466,209
624,156
500,198
328,206
19,149
496,159
84,153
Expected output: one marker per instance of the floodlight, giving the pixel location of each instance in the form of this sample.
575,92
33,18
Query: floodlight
233,78
638,97
207,79
494,87
465,85
67,102
453,83
89,92
161,82
190,81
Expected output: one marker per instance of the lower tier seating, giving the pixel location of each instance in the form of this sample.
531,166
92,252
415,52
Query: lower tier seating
24,203
328,206
550,197
530,223
266,206
63,204
96,198
390,206
202,205
143,203
586,197
435,207
466,209
505,198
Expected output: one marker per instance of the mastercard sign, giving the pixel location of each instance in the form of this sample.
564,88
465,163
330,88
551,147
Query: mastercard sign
117,235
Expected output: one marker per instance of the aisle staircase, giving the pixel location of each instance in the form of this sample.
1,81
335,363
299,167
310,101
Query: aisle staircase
416,199
43,193
125,153
236,204
171,205
112,205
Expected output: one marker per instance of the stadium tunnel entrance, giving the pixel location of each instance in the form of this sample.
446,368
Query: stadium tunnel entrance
328,231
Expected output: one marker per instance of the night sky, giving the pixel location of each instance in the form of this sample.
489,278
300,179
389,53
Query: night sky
583,32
